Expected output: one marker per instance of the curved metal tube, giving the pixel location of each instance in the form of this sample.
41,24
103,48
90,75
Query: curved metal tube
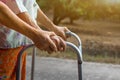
78,52
79,56
75,36
18,69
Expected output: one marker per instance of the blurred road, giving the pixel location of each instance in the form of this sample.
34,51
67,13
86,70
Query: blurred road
64,69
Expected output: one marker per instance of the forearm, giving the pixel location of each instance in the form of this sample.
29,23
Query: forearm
10,20
44,20
25,17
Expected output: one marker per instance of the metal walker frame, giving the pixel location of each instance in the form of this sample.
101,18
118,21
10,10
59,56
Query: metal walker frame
78,50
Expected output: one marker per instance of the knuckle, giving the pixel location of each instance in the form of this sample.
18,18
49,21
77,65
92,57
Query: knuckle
65,28
52,33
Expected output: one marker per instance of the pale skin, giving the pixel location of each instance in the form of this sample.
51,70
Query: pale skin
49,40
47,23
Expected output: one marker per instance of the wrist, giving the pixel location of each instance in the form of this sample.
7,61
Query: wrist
35,34
52,27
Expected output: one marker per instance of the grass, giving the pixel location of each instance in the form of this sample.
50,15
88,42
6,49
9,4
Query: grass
101,59
70,54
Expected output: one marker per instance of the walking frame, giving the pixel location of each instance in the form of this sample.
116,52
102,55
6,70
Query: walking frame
77,49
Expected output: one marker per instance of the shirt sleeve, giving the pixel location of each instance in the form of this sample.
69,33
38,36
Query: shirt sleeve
15,5
36,5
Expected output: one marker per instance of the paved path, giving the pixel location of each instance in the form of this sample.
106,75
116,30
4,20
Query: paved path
63,69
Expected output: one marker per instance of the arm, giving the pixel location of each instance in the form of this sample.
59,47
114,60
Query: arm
9,19
39,37
44,20
25,17
47,23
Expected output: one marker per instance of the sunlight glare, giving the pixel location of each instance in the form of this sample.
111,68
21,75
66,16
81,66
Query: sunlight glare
112,1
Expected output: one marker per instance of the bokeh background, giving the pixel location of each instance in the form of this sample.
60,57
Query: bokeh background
97,22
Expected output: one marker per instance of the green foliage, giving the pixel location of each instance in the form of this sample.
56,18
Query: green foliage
62,9
84,9
67,9
45,4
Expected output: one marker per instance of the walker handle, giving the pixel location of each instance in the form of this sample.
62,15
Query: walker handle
69,33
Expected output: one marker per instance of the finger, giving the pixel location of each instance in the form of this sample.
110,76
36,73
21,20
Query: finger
52,34
62,44
49,50
62,35
66,30
57,42
52,45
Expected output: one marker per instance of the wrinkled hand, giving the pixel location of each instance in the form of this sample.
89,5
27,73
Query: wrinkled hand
49,41
43,41
60,43
61,31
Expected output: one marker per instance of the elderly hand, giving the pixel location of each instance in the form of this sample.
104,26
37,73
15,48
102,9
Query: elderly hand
60,43
43,40
48,41
61,31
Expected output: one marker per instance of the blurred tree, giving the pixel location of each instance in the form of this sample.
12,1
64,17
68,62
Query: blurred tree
62,9
84,9
45,4
66,9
